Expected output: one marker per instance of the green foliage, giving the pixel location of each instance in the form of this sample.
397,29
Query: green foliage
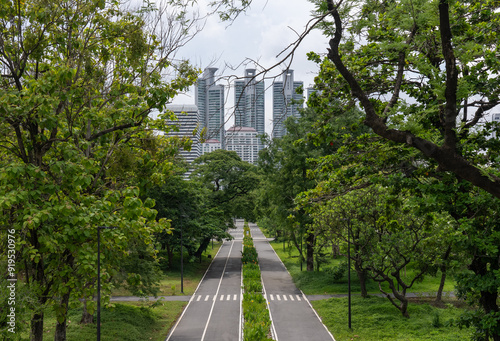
257,322
80,81
230,182
338,271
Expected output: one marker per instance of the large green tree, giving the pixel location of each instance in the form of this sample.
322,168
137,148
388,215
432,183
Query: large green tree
79,81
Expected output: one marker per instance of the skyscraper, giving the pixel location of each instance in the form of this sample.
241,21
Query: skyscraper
283,93
187,125
209,98
249,102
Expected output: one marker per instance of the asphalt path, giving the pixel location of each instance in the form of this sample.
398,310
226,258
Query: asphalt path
292,315
213,312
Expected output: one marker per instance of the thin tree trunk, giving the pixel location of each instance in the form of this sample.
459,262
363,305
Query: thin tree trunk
60,334
439,295
362,276
310,251
87,318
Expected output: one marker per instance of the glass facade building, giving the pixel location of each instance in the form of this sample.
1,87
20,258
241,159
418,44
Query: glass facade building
209,98
286,102
249,102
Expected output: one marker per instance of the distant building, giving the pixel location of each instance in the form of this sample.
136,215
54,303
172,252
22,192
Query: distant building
249,102
496,118
244,141
209,98
284,93
187,125
210,145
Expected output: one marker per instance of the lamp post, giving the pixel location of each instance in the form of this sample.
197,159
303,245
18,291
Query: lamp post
349,271
99,228
182,265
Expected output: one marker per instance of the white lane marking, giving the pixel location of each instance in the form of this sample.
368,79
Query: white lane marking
187,306
274,335
291,297
272,297
207,297
221,297
298,298
216,293
198,299
278,297
285,298
234,297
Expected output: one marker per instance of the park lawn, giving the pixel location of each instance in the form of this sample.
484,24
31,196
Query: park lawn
121,321
170,284
375,319
320,282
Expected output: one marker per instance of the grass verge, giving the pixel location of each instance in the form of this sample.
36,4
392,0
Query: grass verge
375,319
125,321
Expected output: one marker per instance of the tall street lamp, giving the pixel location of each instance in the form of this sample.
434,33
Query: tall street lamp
349,271
182,265
99,228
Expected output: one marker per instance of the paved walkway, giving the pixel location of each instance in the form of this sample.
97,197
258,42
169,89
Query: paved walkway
293,317
213,312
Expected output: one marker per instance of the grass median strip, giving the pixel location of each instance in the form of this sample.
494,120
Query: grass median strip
257,323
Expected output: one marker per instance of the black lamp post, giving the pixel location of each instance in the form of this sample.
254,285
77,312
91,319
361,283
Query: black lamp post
99,228
349,271
182,264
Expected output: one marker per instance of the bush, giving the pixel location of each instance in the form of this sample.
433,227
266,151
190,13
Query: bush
337,272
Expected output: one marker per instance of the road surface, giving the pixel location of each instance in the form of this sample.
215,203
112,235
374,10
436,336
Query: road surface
214,311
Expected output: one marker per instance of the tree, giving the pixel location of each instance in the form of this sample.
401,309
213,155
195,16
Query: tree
229,181
439,55
285,165
188,206
387,235
79,80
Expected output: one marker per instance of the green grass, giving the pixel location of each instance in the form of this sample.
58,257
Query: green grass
170,284
375,319
321,282
126,321
132,321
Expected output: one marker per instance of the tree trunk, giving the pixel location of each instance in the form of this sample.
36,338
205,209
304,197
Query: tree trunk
60,334
203,246
170,256
439,294
37,327
488,300
362,276
310,251
87,318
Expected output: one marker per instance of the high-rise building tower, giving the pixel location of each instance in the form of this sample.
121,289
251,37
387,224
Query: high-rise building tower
209,98
187,125
283,93
249,102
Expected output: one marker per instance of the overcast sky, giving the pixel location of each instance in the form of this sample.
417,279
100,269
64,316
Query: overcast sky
261,33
